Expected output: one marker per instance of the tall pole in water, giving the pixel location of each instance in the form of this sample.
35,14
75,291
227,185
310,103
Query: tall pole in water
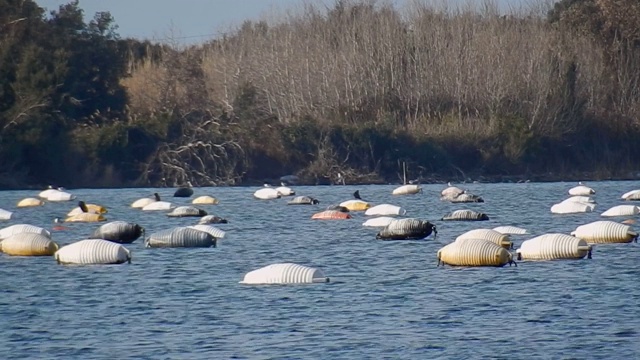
404,173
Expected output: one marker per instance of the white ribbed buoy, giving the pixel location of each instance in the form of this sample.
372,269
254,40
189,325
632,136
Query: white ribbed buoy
93,252
28,244
510,230
605,232
205,200
450,192
46,192
140,203
29,202
285,191
622,210
331,215
489,235
554,246
631,195
407,190
267,194
580,199
381,221
572,207
58,195
285,273
581,190
158,206
214,231
5,214
385,210
474,252
22,228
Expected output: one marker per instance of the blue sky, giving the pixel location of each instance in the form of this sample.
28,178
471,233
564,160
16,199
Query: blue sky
190,21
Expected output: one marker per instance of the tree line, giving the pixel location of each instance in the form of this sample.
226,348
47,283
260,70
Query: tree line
356,92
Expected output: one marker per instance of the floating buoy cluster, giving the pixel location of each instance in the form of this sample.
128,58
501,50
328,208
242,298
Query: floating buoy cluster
489,247
477,247
105,244
579,201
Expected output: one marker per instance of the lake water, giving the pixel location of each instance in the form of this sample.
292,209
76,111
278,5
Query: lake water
386,300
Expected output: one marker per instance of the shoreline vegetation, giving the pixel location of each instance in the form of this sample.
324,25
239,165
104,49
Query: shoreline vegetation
358,92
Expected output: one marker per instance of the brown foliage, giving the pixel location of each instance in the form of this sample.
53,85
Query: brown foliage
470,73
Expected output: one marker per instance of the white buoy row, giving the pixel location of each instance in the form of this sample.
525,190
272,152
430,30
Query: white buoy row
471,249
104,245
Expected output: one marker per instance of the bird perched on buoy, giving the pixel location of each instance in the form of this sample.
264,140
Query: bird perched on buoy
85,215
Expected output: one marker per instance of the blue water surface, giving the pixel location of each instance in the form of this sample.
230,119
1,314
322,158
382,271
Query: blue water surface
386,300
